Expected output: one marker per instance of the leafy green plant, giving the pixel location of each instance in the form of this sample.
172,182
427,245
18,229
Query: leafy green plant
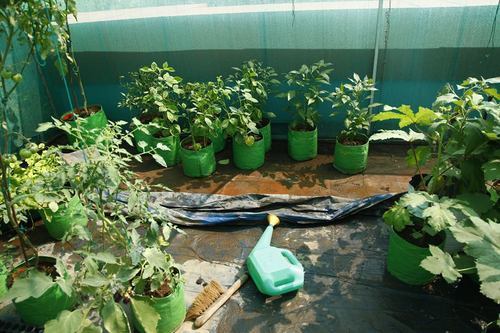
461,134
126,256
482,244
157,94
38,26
419,217
305,93
205,101
353,98
258,81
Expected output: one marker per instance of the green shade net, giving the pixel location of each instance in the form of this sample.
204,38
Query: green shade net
422,45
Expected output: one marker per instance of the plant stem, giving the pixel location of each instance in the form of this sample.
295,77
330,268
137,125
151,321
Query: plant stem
418,166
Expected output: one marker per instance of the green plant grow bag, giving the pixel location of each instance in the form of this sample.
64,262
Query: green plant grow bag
248,157
38,311
218,141
265,131
61,222
199,163
404,258
3,278
350,159
97,120
171,309
302,145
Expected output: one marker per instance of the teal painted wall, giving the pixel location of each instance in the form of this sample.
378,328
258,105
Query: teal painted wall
423,49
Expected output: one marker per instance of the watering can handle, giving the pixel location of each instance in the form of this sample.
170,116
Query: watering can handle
289,255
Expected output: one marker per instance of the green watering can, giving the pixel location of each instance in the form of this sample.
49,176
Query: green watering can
275,271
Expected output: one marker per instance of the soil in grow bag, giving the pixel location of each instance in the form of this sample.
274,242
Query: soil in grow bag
37,311
249,157
351,155
405,254
302,142
93,117
197,163
265,130
168,303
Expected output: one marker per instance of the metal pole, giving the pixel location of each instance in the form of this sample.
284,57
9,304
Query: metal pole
375,55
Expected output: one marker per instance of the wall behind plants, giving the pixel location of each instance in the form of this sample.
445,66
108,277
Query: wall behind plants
422,44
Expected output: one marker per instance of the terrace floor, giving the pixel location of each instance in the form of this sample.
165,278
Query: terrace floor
387,172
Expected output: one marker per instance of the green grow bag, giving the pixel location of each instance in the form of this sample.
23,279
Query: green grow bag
265,131
97,120
3,278
248,157
302,145
38,311
171,309
350,159
61,222
404,258
199,163
219,141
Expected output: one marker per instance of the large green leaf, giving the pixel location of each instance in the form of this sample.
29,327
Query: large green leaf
442,263
398,217
114,318
491,170
145,314
67,322
35,285
155,257
439,217
411,136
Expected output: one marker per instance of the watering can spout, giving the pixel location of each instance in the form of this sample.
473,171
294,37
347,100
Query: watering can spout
265,239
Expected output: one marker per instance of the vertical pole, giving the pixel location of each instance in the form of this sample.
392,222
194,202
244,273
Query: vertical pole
377,42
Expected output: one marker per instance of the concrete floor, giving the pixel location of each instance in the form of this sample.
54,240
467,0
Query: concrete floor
387,172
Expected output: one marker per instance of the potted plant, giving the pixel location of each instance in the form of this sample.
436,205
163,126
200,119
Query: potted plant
129,264
39,182
305,94
259,81
205,102
351,147
40,26
249,148
417,221
89,118
158,95
459,135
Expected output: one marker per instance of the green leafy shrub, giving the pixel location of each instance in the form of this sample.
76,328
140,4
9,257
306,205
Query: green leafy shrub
258,81
205,104
157,94
305,93
353,98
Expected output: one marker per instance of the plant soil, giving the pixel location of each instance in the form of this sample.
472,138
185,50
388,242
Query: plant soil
263,123
44,267
163,291
422,242
84,113
188,144
353,142
303,127
146,118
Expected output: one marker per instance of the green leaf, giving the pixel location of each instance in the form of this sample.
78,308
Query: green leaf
54,207
67,322
411,136
114,318
160,160
34,285
223,162
125,274
488,269
479,202
155,257
106,257
439,217
146,315
419,156
43,127
425,116
398,217
491,170
95,280
442,263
